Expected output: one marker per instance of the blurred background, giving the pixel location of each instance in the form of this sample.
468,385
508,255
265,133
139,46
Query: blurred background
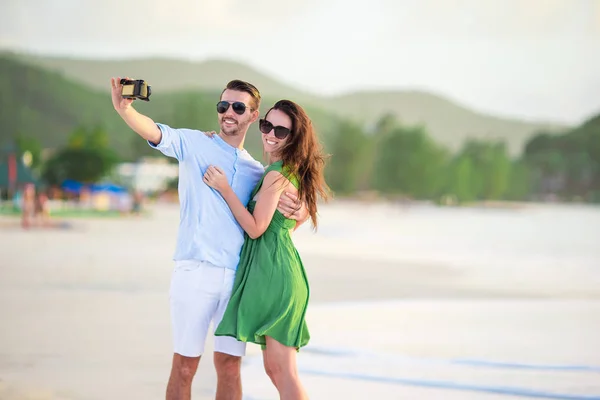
459,258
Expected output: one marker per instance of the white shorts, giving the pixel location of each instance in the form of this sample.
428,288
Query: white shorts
199,295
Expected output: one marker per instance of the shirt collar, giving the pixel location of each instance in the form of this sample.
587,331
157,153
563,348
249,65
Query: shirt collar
226,146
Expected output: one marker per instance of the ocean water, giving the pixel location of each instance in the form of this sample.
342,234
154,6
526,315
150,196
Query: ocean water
540,243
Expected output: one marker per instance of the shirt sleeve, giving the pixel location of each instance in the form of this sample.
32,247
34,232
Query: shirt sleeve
172,142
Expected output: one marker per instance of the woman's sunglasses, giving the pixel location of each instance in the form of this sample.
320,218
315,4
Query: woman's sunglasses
280,132
238,107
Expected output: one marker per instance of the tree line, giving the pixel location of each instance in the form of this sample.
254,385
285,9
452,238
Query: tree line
389,158
401,161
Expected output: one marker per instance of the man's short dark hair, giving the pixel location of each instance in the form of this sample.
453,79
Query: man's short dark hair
242,86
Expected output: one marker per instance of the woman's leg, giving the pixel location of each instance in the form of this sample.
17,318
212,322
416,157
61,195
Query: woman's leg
280,364
268,369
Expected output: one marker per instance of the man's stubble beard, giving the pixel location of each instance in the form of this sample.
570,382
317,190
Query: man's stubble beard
230,131
236,130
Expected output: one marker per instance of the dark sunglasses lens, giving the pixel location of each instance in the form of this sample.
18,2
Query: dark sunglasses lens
239,107
281,132
222,106
265,126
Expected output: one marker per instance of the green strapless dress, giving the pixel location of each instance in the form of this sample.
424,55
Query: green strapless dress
270,292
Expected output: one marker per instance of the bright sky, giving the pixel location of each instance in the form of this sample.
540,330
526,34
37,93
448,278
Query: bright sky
538,59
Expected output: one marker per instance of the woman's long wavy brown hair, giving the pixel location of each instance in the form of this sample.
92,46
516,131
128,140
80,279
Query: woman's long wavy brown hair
303,156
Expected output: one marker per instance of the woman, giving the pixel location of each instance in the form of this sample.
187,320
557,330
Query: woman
270,294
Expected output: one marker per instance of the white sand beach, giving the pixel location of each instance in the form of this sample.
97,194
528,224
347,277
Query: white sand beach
406,303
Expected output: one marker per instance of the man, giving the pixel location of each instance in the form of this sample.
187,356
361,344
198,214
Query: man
209,239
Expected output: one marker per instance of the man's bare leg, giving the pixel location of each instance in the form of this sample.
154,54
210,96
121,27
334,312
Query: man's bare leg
229,379
182,375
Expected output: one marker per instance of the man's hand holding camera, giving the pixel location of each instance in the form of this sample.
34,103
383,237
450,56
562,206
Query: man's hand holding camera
119,102
140,124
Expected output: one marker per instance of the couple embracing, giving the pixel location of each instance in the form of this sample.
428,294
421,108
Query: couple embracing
235,263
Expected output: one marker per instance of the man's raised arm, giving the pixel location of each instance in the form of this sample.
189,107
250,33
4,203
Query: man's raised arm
140,124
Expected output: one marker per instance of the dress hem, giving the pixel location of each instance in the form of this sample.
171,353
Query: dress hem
262,344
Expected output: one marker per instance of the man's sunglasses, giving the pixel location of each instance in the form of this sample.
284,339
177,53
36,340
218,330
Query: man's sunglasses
280,132
238,107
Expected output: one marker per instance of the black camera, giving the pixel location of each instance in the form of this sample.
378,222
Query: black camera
135,89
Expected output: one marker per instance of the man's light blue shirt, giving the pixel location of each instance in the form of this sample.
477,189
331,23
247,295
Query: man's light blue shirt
208,231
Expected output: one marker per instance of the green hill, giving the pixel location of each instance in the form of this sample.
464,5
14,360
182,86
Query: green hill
448,122
35,102
48,106
165,75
